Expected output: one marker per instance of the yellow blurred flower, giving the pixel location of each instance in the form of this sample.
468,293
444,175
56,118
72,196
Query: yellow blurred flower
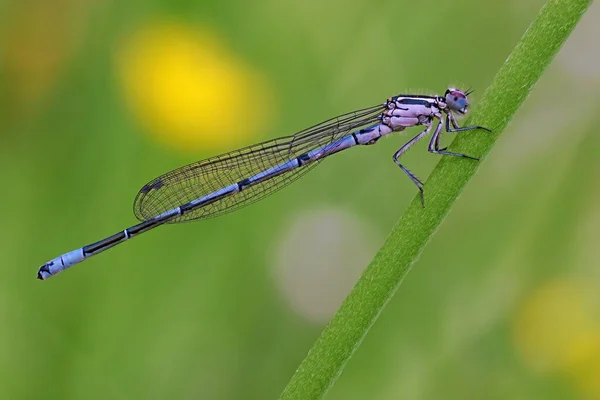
585,373
589,384
189,90
557,331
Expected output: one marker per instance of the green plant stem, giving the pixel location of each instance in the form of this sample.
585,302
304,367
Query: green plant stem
512,84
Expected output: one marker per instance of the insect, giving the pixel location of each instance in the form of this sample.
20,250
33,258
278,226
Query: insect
224,183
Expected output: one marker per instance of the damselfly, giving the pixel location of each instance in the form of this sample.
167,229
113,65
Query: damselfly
224,183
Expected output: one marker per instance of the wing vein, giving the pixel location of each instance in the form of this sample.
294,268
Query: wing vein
201,178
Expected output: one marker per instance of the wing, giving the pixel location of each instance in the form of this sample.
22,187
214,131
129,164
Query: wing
201,178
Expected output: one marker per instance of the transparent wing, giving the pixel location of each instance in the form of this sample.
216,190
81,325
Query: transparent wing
201,178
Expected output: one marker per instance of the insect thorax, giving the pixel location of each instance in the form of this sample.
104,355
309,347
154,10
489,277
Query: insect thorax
404,111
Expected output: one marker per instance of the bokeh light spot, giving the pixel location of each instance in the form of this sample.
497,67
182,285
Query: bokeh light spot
318,260
189,90
557,330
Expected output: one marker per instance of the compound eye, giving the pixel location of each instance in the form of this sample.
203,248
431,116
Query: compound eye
456,100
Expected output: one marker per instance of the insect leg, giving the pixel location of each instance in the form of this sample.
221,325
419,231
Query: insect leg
434,143
402,149
451,119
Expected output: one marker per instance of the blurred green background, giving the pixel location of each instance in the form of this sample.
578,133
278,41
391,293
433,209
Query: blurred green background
99,97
